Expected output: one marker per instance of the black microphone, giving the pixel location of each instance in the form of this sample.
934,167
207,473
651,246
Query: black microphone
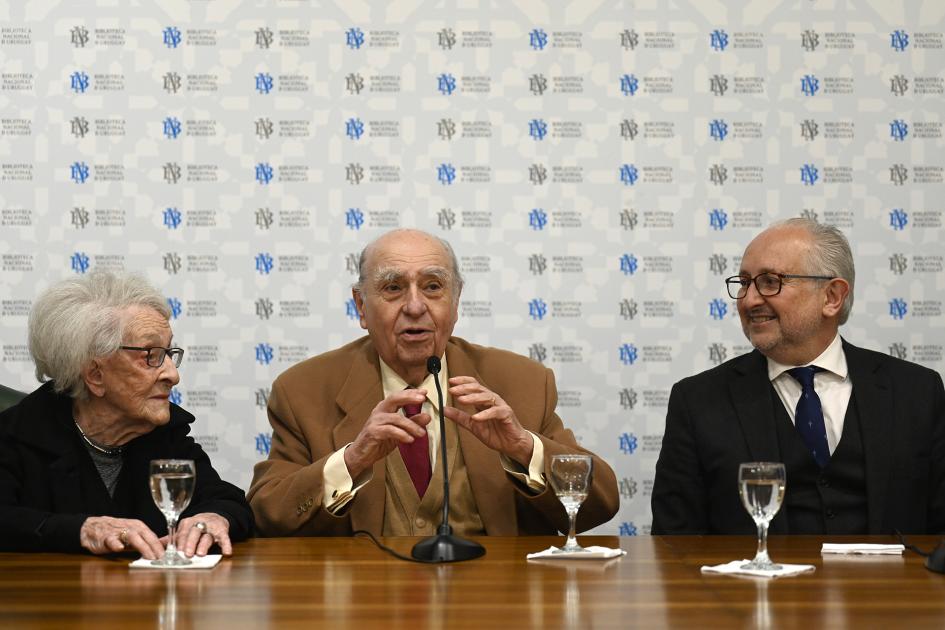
433,367
444,547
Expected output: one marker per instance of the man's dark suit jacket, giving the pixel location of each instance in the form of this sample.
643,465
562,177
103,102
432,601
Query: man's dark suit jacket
49,485
725,416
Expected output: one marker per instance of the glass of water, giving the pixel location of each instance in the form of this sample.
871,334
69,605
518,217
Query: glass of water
761,486
570,479
172,486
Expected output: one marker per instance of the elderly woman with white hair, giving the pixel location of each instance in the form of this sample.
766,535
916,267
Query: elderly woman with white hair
75,453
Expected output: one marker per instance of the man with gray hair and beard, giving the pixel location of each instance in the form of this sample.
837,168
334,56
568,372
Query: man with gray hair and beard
861,434
353,445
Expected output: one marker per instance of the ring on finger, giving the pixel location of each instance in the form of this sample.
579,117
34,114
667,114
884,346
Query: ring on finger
123,537
201,527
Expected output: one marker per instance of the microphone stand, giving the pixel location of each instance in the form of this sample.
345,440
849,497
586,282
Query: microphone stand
444,546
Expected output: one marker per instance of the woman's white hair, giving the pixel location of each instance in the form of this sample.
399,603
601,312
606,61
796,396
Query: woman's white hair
80,319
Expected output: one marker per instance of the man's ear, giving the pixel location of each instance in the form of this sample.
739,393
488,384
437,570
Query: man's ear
359,303
459,294
835,295
94,376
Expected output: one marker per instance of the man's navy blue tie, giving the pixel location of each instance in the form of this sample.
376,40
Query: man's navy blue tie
809,415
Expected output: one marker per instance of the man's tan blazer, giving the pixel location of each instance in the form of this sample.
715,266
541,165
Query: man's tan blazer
319,405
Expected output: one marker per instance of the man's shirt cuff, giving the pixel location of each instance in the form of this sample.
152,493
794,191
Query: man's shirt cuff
340,489
534,477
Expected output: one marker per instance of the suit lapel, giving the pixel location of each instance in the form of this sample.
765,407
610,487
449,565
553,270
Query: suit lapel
491,490
751,391
356,399
874,404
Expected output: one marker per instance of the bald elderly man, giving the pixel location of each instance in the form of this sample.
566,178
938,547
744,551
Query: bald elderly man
353,445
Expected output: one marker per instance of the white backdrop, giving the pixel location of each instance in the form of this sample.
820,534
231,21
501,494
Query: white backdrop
598,166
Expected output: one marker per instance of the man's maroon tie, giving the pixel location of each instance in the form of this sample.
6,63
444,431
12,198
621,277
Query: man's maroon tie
416,455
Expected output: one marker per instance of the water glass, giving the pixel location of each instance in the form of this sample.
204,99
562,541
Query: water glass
761,486
172,486
570,479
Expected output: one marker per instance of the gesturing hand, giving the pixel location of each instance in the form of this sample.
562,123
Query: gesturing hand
494,423
106,534
385,428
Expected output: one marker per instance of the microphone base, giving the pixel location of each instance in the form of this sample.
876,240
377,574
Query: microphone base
447,548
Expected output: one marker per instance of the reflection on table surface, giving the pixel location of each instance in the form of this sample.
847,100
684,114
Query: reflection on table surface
348,582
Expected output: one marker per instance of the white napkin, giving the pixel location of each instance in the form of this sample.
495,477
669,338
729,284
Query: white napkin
197,562
589,553
863,549
735,568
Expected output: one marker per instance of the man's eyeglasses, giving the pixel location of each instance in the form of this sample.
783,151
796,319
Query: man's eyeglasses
156,355
768,283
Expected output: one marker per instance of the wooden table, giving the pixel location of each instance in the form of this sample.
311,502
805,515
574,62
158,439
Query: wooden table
344,582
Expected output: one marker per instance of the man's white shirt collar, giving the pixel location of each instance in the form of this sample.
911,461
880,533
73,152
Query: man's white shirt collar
391,382
832,360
